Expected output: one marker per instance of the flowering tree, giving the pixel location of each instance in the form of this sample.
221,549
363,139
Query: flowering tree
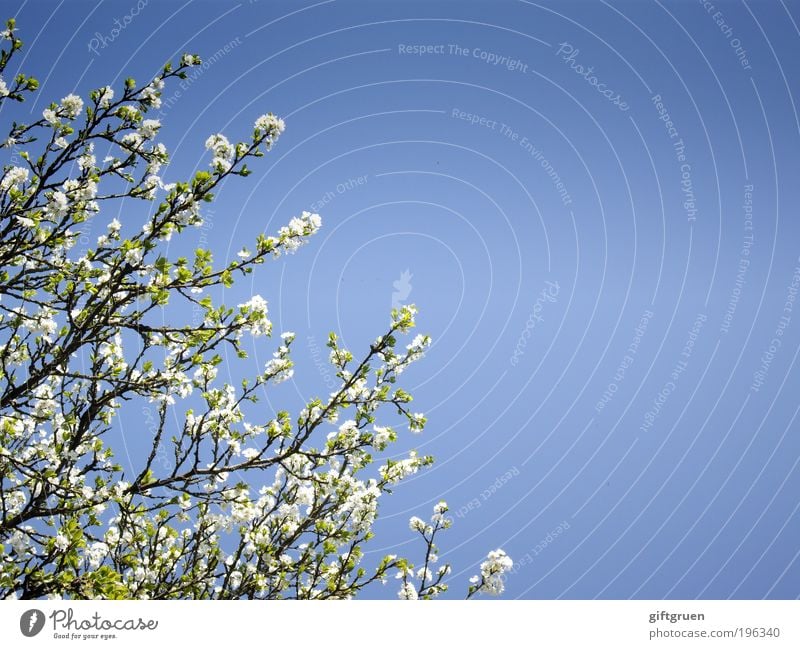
276,509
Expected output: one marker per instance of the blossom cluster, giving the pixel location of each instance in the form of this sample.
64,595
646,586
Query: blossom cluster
425,582
492,578
228,502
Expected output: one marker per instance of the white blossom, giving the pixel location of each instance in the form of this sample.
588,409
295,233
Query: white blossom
395,471
71,106
14,177
86,161
416,422
50,116
416,524
270,122
279,369
407,591
105,96
383,435
57,205
151,93
491,580
149,128
61,542
219,145
95,554
254,314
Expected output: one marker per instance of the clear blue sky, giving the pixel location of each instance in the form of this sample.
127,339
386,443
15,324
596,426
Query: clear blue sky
585,178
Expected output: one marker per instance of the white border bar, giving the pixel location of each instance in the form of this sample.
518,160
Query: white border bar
387,624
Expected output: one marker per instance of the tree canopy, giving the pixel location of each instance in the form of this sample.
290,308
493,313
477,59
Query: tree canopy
222,506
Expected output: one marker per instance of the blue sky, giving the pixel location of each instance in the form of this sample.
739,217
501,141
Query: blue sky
594,207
